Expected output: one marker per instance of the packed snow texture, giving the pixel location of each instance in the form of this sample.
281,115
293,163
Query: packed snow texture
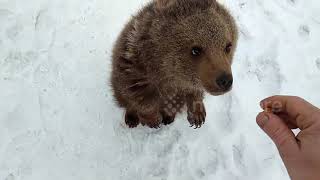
58,119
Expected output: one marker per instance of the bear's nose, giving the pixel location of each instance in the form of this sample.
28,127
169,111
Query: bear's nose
225,81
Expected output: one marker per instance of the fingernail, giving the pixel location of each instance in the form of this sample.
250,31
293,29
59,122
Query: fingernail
263,121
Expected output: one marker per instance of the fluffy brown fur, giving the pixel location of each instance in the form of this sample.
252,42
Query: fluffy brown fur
168,55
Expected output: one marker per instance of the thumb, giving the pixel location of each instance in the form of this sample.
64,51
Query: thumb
279,132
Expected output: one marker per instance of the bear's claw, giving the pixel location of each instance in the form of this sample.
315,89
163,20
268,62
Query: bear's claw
197,118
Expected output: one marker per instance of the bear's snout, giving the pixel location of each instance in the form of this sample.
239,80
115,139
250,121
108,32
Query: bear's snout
225,81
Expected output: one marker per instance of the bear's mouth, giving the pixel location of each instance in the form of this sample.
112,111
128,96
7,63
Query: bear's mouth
216,91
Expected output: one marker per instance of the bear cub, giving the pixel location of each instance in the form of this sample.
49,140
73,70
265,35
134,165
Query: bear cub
168,55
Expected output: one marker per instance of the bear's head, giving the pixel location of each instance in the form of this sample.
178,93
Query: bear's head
195,41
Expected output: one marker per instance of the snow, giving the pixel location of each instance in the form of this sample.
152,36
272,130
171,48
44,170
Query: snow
58,119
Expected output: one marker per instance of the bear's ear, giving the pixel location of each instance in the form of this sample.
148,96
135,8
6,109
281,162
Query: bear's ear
161,4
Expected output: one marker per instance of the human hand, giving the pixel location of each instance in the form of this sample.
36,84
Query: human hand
301,153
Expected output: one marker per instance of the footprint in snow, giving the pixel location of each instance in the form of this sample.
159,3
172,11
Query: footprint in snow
318,63
304,31
10,177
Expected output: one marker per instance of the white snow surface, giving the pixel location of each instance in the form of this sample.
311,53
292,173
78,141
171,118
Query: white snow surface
58,119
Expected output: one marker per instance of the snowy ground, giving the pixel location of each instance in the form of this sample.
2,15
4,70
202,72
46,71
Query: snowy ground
58,120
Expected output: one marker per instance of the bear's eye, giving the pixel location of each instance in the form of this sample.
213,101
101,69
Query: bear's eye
196,51
228,48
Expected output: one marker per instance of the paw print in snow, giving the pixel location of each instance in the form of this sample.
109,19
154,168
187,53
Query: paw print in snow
304,31
318,63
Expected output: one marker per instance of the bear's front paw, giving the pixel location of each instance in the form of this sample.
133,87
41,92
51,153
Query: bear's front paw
166,120
197,116
131,119
152,120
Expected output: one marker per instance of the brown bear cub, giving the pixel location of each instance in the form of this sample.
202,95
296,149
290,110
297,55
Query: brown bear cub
168,55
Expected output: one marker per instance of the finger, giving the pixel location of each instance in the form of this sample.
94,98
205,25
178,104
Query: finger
279,132
299,110
286,119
